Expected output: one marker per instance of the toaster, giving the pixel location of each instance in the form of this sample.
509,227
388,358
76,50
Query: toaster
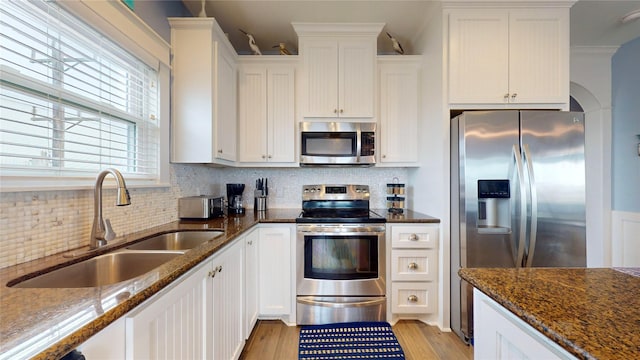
200,207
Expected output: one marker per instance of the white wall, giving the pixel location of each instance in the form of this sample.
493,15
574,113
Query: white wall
430,182
591,87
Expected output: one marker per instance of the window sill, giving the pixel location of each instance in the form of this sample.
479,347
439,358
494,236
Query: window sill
52,184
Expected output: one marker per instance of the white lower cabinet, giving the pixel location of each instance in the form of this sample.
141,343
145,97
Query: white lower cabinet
199,318
413,265
499,334
171,325
275,272
226,291
210,311
251,281
107,344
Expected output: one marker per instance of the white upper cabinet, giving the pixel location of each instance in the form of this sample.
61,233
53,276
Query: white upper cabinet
339,69
399,91
509,56
266,111
203,119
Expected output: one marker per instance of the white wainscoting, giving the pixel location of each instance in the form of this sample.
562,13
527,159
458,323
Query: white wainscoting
625,239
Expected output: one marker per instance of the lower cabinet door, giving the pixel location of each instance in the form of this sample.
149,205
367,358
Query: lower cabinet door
171,325
227,293
251,281
414,297
275,274
108,344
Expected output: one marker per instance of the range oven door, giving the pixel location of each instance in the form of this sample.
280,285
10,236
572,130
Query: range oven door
340,260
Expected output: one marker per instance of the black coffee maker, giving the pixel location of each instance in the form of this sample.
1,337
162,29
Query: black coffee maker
234,199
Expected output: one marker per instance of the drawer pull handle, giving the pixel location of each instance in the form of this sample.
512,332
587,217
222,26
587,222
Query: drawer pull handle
414,237
412,266
412,298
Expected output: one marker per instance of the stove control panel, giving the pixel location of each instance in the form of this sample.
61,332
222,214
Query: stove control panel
335,192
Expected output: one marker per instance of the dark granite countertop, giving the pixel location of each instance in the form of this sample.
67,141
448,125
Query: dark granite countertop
28,316
592,313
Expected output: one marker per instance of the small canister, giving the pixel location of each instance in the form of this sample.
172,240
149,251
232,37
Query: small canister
395,204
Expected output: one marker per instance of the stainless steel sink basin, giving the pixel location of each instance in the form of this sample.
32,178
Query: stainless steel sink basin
101,270
179,240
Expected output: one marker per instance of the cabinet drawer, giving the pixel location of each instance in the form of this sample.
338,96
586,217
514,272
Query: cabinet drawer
414,236
414,265
414,298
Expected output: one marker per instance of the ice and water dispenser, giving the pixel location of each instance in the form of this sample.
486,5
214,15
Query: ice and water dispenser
494,214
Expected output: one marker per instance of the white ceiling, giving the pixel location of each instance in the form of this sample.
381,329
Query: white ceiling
593,22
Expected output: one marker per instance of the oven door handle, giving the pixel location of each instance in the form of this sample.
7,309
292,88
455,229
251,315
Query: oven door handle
310,300
341,229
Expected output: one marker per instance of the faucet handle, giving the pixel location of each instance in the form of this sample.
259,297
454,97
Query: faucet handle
109,234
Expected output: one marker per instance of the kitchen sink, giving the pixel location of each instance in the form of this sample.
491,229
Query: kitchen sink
101,270
179,240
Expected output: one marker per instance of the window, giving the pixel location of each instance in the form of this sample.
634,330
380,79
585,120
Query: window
71,101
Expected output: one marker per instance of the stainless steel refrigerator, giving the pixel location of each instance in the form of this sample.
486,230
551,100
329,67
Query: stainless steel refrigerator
517,196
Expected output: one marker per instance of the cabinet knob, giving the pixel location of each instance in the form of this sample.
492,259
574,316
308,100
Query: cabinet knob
269,157
506,96
513,96
250,242
341,111
384,156
219,151
412,298
414,237
335,111
412,266
212,274
263,156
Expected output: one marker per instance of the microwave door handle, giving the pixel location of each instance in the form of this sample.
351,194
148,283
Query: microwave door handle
534,205
358,144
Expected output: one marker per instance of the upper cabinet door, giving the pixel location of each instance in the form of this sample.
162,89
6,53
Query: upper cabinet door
203,101
321,69
225,112
539,55
281,115
478,56
266,108
356,65
252,113
399,91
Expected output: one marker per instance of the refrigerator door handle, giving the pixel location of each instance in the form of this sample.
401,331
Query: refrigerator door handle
521,233
534,205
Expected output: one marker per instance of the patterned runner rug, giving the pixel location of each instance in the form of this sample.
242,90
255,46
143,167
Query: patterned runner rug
355,340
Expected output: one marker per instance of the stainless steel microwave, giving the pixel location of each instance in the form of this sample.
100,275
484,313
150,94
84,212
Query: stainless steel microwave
337,143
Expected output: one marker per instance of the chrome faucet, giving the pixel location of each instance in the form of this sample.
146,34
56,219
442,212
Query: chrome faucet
101,232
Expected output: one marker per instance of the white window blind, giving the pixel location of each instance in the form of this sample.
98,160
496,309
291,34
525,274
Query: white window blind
71,101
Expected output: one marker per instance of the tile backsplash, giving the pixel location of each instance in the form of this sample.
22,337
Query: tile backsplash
41,223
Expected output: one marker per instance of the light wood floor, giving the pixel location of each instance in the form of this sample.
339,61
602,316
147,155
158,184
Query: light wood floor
273,339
